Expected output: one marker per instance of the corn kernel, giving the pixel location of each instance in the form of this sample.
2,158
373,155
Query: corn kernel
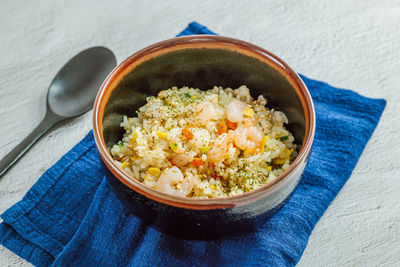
264,141
133,158
204,149
124,164
154,171
269,168
213,186
162,135
248,112
288,153
249,151
135,135
279,161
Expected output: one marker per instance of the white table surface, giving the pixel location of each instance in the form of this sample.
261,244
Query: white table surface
350,44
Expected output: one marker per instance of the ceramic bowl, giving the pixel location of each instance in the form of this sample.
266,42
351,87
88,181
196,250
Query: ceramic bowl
202,61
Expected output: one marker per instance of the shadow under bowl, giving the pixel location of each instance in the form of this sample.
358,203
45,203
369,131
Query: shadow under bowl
203,61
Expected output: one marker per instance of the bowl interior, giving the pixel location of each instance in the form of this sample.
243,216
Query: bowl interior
203,67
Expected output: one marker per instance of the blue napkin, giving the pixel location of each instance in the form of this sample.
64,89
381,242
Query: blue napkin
71,217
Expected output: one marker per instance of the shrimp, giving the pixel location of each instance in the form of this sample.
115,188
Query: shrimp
201,137
247,138
248,122
254,134
205,112
234,110
172,182
181,160
221,147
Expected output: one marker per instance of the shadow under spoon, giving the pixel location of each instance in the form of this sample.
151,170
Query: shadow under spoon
71,93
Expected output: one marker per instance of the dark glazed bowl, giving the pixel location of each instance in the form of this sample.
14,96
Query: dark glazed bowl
202,61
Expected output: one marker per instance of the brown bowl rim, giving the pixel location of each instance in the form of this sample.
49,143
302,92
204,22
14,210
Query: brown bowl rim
213,203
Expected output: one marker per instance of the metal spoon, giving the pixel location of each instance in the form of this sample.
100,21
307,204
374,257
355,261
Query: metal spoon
71,94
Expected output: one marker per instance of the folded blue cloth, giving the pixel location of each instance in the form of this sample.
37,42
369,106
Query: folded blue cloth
71,217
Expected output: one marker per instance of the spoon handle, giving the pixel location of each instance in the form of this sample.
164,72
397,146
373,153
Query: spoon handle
49,121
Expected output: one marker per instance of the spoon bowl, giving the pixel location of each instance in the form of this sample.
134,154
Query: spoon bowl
74,88
71,93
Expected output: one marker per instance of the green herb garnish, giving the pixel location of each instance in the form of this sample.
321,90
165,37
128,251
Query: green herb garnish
187,95
284,138
121,143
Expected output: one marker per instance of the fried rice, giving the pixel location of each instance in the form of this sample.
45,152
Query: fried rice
205,144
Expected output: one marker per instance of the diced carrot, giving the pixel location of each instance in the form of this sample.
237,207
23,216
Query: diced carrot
222,128
214,175
197,162
187,133
231,125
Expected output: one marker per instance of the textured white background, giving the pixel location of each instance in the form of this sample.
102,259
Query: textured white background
350,44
